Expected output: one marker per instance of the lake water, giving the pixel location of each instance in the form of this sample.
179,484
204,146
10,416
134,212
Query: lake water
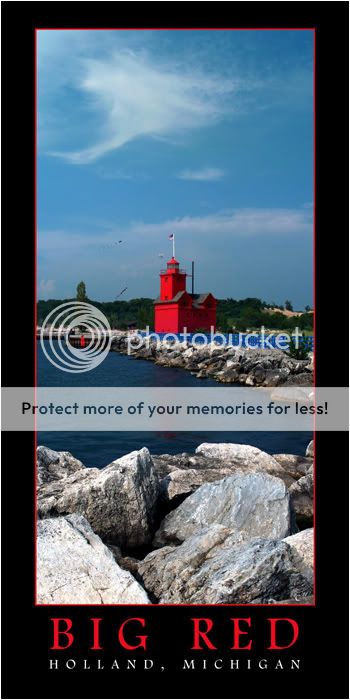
96,449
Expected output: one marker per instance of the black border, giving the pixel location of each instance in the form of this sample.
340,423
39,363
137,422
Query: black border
323,644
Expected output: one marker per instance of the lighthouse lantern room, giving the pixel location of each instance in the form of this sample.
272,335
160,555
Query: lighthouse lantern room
177,311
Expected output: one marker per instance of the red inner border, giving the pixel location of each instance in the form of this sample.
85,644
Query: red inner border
170,605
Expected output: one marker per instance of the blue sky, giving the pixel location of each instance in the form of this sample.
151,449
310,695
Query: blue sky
205,134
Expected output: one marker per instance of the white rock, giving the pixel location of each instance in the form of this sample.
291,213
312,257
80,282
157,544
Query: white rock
310,449
243,456
303,548
214,567
54,465
253,505
74,566
118,501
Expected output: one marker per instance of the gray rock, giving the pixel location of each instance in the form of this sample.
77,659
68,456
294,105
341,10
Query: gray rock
118,501
228,376
182,482
294,465
310,449
241,456
183,473
252,504
302,544
250,380
75,567
213,567
52,465
302,379
259,375
275,377
301,493
251,366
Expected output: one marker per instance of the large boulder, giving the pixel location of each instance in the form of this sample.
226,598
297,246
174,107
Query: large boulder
75,567
241,456
52,465
213,567
183,473
118,501
255,505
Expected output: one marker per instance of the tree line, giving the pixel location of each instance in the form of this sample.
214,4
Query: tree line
232,314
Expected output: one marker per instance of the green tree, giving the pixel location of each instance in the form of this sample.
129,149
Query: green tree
81,292
113,320
298,353
288,305
307,308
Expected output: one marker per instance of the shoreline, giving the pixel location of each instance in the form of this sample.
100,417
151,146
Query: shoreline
225,364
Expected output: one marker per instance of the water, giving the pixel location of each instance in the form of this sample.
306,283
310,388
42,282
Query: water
96,449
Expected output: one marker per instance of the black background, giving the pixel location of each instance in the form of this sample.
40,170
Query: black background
323,642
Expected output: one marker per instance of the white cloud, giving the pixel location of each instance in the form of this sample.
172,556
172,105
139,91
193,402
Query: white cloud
233,223
204,174
124,96
46,287
238,222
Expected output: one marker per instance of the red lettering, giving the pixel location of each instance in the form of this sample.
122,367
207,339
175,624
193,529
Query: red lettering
273,627
57,632
96,632
237,632
199,634
142,638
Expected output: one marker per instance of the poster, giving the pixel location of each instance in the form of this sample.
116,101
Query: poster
174,393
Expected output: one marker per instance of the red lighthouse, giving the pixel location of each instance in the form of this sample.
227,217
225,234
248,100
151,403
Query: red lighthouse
176,310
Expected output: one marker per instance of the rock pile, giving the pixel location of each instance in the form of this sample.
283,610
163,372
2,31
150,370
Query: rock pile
218,526
226,364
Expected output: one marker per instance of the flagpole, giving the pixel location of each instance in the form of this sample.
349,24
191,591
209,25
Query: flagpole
174,245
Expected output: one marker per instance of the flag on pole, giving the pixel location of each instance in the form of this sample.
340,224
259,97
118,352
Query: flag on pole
172,238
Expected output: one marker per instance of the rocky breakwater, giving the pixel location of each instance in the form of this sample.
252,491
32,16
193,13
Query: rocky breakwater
227,364
228,524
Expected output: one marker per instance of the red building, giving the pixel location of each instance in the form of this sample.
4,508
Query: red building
176,309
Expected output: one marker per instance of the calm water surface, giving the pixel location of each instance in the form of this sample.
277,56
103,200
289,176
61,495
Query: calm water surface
96,449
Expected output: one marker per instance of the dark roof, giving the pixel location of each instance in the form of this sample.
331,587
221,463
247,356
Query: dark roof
175,299
199,299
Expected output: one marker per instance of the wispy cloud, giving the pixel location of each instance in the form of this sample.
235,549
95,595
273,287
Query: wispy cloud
237,223
99,91
129,95
204,174
46,287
